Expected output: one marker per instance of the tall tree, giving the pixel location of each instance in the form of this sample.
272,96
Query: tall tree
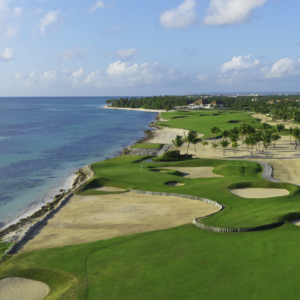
178,142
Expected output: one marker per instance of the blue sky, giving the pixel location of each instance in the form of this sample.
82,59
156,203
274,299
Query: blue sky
134,47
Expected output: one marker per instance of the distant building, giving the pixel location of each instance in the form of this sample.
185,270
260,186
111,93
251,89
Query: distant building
254,99
272,101
218,102
201,103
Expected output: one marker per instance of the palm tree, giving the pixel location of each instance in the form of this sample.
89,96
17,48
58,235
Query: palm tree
250,141
233,138
178,142
296,135
279,128
224,144
195,142
243,130
204,143
225,134
215,145
276,137
188,139
234,146
290,133
266,139
264,127
214,130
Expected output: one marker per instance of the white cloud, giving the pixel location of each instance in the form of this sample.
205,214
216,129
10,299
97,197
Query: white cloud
9,19
283,68
124,54
50,18
97,5
118,74
7,54
239,62
227,12
202,77
180,17
72,54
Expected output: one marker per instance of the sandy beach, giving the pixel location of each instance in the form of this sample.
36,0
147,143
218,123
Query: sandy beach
137,109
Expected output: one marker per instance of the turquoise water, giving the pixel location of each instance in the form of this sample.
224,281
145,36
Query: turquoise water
44,140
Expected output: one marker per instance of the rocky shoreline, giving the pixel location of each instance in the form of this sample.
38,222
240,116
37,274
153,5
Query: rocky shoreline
17,232
149,135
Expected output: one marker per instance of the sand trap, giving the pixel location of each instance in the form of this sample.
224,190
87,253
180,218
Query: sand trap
108,189
259,193
197,172
174,184
92,218
15,288
296,222
166,135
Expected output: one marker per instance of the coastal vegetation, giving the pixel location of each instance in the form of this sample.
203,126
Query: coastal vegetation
178,262
148,146
132,267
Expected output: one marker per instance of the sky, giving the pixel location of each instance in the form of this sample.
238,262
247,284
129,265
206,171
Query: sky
158,47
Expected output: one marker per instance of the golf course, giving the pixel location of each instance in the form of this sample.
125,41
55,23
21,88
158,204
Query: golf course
108,241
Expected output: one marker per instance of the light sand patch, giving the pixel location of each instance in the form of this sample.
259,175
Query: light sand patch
196,172
92,218
259,193
174,184
108,189
296,222
15,288
166,135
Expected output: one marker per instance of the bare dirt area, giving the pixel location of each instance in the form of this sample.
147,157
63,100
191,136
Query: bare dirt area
259,193
92,218
166,135
197,172
14,288
108,189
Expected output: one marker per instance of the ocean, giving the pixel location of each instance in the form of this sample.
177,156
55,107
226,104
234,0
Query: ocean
45,140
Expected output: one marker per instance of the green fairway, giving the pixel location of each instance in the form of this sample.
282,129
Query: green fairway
128,172
182,262
202,121
148,146
178,263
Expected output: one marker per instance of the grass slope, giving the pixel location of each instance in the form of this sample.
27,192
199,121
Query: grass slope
127,172
202,121
148,146
178,263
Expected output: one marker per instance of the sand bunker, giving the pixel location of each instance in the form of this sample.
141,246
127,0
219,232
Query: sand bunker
108,189
259,193
197,172
92,218
296,222
174,184
15,288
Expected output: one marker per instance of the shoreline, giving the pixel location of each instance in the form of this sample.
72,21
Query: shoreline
38,204
137,109
17,228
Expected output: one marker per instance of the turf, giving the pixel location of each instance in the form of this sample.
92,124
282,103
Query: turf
202,121
4,247
128,172
148,146
183,262
179,263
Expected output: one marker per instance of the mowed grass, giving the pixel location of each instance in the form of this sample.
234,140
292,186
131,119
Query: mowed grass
182,262
202,121
148,146
179,263
129,172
